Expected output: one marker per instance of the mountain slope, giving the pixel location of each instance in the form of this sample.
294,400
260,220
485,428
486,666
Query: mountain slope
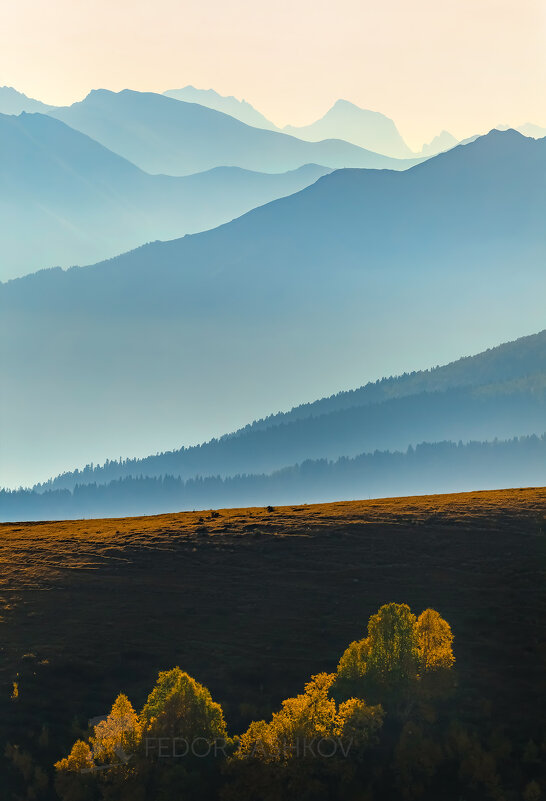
65,199
184,340
368,129
239,109
499,393
510,361
163,135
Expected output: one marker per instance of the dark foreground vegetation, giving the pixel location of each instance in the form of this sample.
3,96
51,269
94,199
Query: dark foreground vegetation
258,605
318,745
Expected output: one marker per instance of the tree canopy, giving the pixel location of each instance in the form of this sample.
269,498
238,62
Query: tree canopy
400,650
179,706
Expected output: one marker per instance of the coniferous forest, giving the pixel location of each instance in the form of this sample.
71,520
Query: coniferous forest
438,467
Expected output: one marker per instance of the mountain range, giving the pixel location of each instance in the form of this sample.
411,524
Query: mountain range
364,267
344,120
163,135
65,199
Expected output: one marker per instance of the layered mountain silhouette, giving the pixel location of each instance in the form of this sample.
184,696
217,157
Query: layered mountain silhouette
239,109
67,200
500,393
14,102
163,135
367,129
179,341
430,468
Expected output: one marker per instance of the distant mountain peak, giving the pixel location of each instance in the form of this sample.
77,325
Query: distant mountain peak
512,132
506,137
443,141
342,103
228,104
370,130
12,90
101,92
14,102
347,106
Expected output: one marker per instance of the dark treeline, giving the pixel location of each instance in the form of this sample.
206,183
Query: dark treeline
502,410
428,468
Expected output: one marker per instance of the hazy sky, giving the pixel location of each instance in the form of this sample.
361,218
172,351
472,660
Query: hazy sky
464,65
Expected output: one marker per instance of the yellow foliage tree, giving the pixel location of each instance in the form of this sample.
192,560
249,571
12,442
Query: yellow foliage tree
308,718
434,642
74,774
358,723
79,760
392,645
312,714
117,737
179,706
352,665
398,651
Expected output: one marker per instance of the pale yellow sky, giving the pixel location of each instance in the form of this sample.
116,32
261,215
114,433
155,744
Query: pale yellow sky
463,65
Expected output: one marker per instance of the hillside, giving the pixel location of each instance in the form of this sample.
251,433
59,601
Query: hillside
163,135
253,601
511,360
367,129
499,393
67,200
366,268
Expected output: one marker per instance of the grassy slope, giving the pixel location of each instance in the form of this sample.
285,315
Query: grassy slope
251,602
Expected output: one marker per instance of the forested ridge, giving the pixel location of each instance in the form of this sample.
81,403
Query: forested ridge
428,468
499,393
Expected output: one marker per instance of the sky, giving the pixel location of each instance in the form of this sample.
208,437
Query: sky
460,65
